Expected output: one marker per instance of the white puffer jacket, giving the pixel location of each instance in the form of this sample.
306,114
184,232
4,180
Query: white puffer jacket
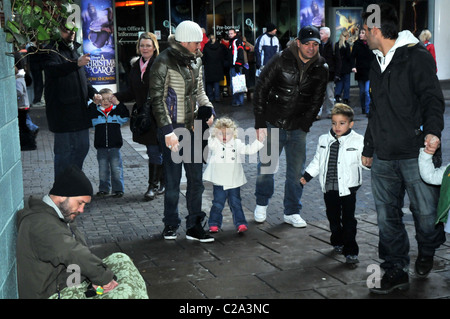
349,163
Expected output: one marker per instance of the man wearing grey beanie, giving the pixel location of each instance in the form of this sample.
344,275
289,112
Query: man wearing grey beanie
177,93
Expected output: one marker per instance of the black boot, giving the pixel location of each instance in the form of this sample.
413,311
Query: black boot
337,98
152,182
161,180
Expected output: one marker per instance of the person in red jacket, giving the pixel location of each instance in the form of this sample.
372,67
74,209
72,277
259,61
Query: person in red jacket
425,37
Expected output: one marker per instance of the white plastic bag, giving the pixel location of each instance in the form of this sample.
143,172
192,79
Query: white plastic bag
238,83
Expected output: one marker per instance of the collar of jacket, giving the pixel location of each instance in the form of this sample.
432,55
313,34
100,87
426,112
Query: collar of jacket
181,53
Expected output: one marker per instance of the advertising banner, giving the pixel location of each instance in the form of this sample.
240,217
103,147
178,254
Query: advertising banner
98,40
312,12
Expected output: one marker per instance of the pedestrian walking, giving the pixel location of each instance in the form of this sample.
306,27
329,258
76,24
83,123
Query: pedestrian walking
407,110
107,118
225,171
342,88
214,56
362,58
147,48
67,92
338,164
236,63
288,97
176,88
330,52
425,37
266,46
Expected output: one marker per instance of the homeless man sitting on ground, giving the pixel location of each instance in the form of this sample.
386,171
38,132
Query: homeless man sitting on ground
50,248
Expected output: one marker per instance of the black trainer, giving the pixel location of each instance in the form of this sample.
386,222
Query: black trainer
198,233
423,266
170,232
392,279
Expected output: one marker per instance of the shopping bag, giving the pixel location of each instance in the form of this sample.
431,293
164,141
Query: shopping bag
238,83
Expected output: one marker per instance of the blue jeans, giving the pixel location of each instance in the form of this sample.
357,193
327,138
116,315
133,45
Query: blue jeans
194,190
70,148
213,91
390,181
238,98
364,96
110,169
342,87
154,154
234,201
294,144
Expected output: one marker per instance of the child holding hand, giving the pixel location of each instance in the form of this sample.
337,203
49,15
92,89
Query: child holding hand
338,164
225,171
436,176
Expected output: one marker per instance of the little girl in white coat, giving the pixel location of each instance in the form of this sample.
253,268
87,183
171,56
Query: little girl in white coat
225,171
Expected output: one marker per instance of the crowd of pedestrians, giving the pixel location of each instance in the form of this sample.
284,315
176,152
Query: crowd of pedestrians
294,86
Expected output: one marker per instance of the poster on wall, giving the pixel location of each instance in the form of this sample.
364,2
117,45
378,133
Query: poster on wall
312,12
348,19
98,40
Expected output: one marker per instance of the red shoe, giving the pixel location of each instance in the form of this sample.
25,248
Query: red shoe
242,228
213,229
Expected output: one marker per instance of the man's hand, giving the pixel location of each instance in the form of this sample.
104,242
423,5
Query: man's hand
172,142
261,134
108,287
432,143
303,181
84,59
367,161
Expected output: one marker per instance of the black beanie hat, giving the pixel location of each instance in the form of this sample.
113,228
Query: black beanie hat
72,182
270,27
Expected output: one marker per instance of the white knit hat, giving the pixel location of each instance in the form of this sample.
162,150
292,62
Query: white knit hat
188,31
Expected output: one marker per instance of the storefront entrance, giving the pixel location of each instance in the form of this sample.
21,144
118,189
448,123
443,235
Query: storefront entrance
161,17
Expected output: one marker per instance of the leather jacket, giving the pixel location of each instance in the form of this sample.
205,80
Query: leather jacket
289,93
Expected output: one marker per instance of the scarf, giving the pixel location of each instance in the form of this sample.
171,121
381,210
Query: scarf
106,110
143,66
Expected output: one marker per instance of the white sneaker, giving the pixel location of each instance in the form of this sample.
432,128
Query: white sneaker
295,220
260,213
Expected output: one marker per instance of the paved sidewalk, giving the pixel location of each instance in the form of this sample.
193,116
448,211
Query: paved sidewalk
272,260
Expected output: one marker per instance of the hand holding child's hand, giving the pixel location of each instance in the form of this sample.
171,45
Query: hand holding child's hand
303,181
432,143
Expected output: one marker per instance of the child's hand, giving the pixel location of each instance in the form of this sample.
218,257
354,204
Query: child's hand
303,181
432,143
210,120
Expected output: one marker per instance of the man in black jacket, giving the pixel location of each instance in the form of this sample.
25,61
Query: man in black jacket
288,96
66,95
406,112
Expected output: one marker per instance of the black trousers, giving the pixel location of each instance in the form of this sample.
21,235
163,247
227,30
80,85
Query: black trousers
341,215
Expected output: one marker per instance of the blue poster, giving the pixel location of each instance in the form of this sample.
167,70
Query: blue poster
312,12
98,40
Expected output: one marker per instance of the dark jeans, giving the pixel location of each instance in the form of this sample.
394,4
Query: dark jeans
390,181
194,190
341,215
110,169
213,91
294,144
342,87
364,95
70,148
234,201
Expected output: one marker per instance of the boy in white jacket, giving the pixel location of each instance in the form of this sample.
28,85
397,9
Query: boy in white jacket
338,163
225,171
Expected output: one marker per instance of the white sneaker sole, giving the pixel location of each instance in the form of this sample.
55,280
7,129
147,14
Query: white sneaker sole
297,225
207,240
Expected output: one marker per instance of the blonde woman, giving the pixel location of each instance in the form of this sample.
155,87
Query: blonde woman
342,88
147,48
225,171
425,37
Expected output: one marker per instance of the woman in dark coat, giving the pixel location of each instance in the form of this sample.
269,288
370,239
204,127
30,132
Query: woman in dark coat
362,58
148,49
214,57
343,75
